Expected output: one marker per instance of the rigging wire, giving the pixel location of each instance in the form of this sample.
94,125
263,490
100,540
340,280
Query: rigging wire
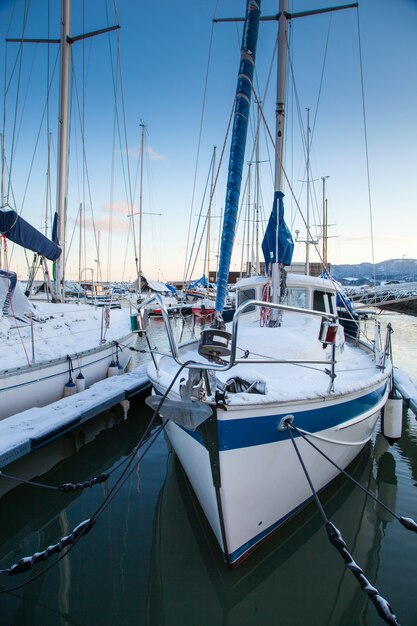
366,144
199,142
20,64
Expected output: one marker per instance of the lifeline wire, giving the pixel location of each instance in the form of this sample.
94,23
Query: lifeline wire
383,608
84,527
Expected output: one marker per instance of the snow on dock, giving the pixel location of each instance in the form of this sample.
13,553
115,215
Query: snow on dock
406,388
28,431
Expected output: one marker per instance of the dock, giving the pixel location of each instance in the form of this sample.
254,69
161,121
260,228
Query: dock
26,432
407,390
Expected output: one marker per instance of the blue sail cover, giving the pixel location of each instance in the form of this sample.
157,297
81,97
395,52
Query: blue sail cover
200,282
21,232
285,240
237,147
171,288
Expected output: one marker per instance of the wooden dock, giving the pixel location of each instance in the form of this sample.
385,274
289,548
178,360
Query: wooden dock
26,432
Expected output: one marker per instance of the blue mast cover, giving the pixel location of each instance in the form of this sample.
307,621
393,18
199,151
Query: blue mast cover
21,232
285,240
238,143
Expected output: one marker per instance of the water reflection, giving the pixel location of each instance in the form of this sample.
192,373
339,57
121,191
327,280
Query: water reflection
295,574
151,558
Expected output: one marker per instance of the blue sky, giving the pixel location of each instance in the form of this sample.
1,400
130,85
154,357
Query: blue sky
164,49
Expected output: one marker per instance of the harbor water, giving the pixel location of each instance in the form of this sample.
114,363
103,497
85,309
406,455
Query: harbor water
151,559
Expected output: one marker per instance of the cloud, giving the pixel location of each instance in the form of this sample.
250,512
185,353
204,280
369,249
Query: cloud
121,208
134,153
155,156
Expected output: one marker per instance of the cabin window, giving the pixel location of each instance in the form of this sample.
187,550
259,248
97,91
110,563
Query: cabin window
322,301
296,297
243,295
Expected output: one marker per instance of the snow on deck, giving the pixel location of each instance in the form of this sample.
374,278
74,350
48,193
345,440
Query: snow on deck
296,339
24,432
59,329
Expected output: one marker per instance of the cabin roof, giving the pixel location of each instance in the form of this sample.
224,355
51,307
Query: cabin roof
293,280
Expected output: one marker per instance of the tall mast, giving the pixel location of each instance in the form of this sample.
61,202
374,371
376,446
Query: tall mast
323,178
63,124
248,271
80,257
308,239
142,152
213,168
257,193
279,139
237,149
3,194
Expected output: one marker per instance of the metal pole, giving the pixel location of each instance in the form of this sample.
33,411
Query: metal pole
142,125
63,123
279,141
308,196
257,195
324,222
209,211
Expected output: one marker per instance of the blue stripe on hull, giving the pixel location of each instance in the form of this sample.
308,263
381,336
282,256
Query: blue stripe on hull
241,433
258,430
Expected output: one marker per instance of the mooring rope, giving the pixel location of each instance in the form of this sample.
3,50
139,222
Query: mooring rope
407,522
383,608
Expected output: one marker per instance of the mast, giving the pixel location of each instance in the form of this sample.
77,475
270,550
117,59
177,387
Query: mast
3,194
323,178
213,168
142,152
63,124
238,143
279,141
257,193
248,271
81,244
65,41
308,239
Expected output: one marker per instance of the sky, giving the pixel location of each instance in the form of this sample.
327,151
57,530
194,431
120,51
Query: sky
178,77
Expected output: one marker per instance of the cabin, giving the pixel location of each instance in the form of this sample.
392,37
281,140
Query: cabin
303,292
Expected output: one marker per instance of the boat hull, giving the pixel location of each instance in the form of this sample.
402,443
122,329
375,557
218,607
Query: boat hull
40,384
247,476
202,312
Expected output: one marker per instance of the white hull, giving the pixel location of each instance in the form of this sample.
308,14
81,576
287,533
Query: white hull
42,383
261,486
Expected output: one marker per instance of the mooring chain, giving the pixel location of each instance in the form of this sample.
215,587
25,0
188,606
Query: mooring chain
382,606
69,541
27,562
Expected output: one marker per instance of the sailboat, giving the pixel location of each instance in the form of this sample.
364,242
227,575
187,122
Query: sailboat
244,401
49,349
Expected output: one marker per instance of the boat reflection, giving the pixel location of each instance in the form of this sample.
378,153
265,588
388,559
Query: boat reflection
294,574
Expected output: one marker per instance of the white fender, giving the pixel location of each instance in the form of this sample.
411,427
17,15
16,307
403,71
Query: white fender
80,382
392,419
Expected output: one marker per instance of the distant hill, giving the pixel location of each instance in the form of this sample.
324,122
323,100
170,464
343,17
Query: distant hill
402,270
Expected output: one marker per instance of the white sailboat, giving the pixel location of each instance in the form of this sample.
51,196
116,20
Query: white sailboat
240,398
51,348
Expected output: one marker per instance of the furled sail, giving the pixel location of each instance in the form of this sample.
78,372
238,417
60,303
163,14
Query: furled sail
21,232
238,143
285,240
